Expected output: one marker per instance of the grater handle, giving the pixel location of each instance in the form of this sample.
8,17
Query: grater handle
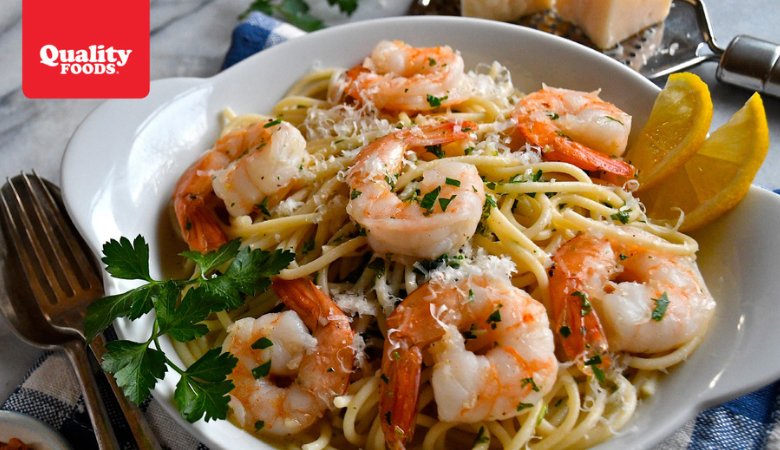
751,63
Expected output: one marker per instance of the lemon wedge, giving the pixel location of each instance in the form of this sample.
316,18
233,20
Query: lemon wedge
677,126
717,176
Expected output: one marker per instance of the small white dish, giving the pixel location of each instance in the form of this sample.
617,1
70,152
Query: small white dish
121,165
36,434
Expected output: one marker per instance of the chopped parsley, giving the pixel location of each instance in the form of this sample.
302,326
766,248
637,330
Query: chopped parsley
452,182
565,331
552,115
272,123
429,200
435,150
262,370
354,194
612,118
263,207
445,202
308,246
521,406
621,216
529,381
262,343
586,306
494,318
435,102
660,307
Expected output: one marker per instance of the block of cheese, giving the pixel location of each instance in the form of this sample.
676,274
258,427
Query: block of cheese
607,22
504,10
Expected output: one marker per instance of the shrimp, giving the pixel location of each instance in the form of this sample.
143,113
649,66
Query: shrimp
506,359
649,301
577,128
397,77
415,228
244,168
276,348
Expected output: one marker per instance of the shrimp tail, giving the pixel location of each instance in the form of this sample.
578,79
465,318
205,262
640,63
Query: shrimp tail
199,224
577,324
331,327
581,333
563,149
313,306
442,133
401,368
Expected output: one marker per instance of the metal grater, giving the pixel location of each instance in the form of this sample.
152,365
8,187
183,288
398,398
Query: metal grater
683,40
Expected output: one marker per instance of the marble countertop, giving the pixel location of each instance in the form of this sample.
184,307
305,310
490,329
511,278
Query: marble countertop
191,37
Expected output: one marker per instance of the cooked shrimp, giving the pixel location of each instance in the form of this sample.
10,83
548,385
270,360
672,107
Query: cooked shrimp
398,77
649,302
243,168
406,227
277,348
577,128
506,359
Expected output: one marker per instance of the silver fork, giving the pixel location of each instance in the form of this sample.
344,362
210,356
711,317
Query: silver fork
62,278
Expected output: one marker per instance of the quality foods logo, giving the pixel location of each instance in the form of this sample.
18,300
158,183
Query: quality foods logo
77,49
96,60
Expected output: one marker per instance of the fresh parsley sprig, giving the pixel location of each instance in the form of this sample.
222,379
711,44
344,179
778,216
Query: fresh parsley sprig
137,366
296,12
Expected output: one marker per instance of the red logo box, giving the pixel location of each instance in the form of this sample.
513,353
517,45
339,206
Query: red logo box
85,48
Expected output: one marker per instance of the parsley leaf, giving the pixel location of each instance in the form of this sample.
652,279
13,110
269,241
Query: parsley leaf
482,437
346,6
430,199
445,202
135,366
213,259
294,12
435,102
586,306
203,388
262,343
436,150
127,261
660,307
621,216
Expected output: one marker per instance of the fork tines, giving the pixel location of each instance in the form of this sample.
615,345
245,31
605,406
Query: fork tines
34,222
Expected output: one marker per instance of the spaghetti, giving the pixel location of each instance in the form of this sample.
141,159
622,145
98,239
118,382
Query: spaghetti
532,207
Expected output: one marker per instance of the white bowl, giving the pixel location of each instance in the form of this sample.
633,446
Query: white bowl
121,165
33,432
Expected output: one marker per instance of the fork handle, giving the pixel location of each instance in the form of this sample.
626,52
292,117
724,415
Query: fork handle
77,353
751,63
144,436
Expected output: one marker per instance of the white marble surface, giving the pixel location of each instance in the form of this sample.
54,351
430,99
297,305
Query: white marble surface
190,38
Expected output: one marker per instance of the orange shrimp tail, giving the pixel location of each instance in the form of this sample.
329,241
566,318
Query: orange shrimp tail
442,133
307,300
577,324
199,224
330,326
563,149
352,81
399,393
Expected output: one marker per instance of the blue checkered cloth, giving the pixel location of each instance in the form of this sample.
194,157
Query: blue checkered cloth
50,391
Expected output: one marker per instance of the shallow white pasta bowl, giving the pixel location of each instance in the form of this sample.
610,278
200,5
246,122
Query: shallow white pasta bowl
121,165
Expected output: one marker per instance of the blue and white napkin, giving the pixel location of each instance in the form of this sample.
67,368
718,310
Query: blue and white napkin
50,391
